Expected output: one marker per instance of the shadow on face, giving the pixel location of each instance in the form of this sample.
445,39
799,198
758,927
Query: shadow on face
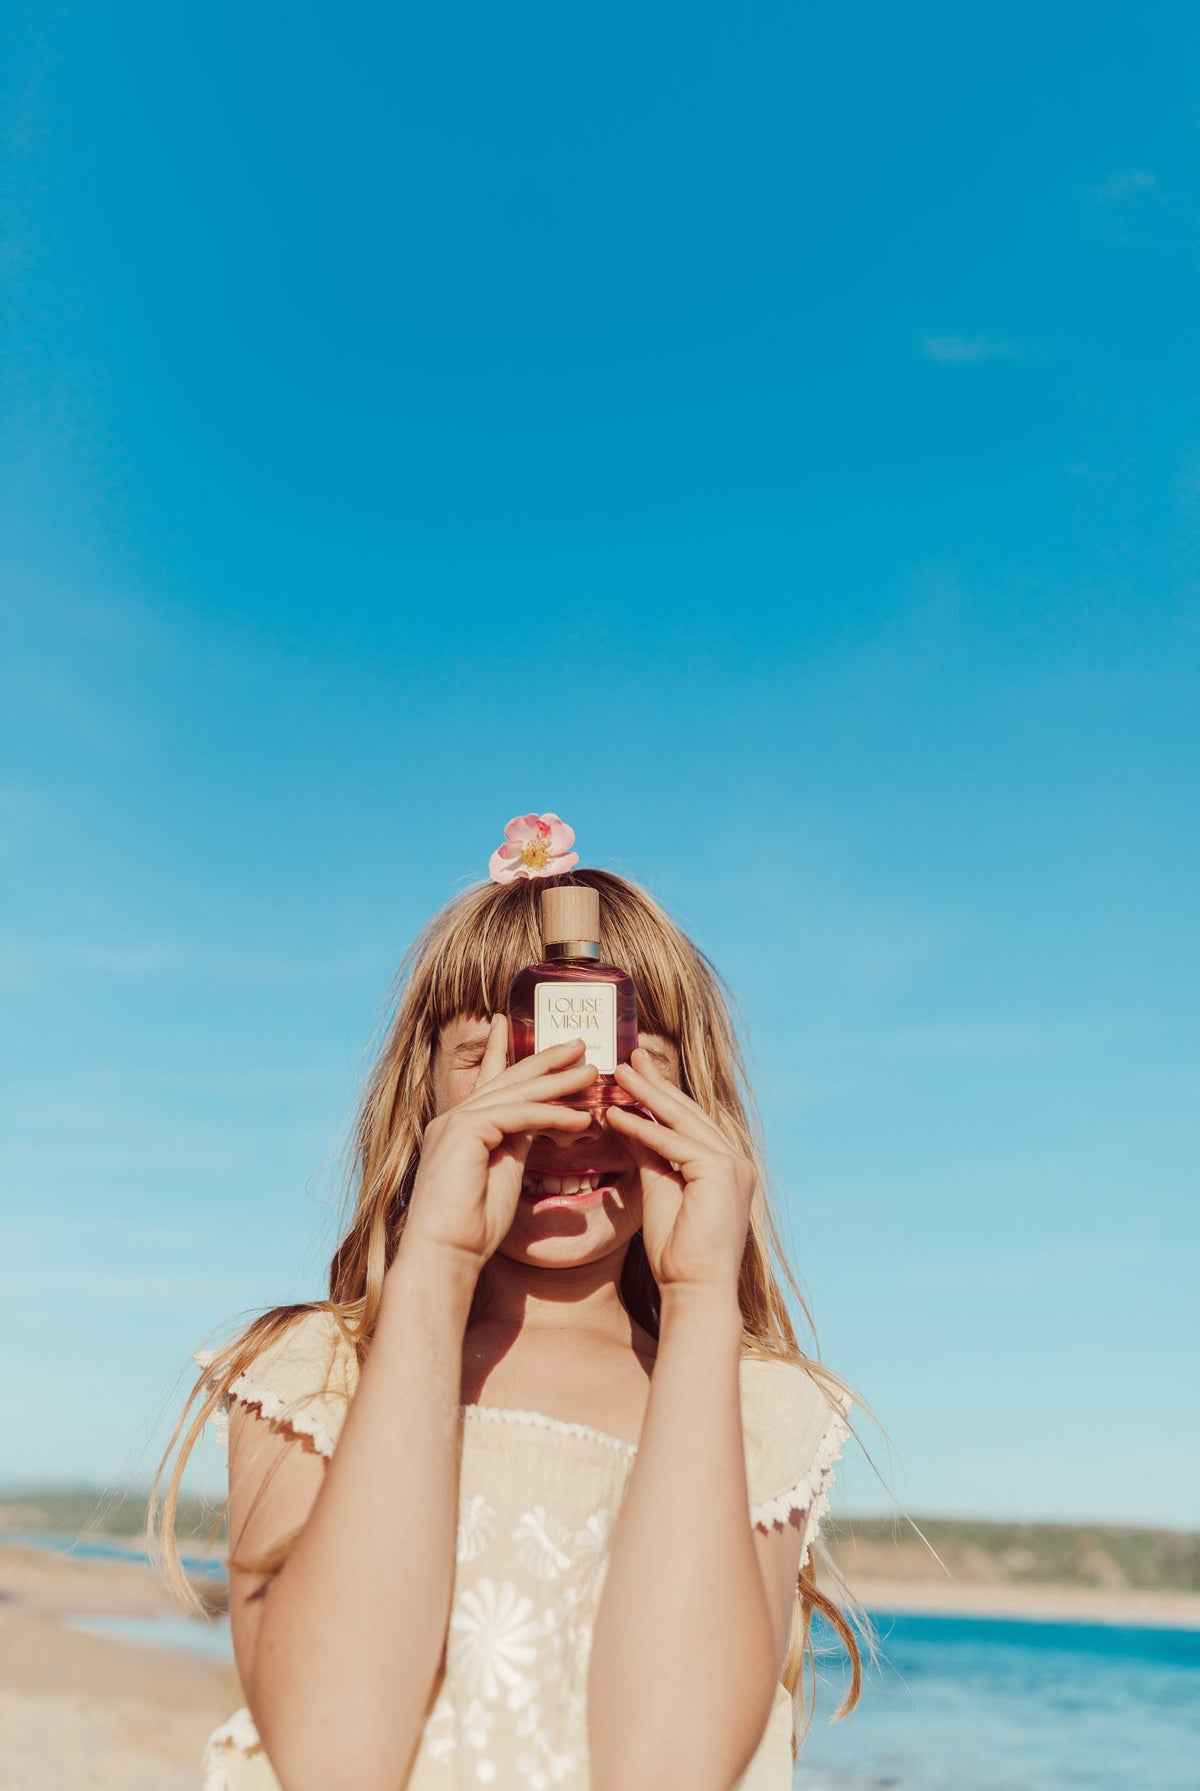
459,1050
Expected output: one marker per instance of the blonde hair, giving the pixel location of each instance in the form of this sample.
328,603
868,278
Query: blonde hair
461,965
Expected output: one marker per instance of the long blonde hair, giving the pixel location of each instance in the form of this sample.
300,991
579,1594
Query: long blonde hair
462,964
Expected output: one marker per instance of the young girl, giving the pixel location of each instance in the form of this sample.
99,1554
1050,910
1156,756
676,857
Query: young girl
529,1501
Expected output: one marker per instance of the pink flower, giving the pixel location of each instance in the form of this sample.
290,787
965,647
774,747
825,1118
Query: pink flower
534,846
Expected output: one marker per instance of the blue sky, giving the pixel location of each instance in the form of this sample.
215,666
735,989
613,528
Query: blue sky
768,441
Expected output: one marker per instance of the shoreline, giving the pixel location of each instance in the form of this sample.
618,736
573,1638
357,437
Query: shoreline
79,1709
1029,1603
120,1565
113,1713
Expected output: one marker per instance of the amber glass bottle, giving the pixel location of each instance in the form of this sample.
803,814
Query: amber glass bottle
571,994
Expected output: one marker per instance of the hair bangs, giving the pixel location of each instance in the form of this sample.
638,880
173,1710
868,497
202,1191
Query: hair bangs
465,963
469,964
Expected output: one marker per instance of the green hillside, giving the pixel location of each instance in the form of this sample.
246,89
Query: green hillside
1101,1555
82,1511
1111,1557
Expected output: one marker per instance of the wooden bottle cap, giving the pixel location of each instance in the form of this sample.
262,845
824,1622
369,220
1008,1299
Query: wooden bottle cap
570,912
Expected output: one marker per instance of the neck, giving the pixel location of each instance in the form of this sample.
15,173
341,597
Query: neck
529,1297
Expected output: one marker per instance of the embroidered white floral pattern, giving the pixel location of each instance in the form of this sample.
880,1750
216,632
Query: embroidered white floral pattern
591,1554
493,1639
542,1541
476,1527
538,1502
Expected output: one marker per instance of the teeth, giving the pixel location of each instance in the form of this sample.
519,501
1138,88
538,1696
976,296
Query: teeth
539,1185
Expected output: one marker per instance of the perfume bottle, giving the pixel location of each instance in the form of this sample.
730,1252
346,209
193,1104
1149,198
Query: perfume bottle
572,995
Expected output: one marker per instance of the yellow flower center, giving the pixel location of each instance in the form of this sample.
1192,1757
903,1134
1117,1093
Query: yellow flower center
535,854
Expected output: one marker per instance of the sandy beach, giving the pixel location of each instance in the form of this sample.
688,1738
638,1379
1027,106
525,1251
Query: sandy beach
82,1712
88,1713
1045,1604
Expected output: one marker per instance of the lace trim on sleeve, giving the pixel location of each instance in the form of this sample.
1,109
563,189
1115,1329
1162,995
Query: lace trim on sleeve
219,1419
238,1734
278,1410
810,1493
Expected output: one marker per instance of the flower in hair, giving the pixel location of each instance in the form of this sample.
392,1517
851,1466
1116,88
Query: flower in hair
534,846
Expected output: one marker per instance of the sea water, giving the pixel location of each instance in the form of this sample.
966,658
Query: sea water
991,1704
953,1704
195,1635
99,1548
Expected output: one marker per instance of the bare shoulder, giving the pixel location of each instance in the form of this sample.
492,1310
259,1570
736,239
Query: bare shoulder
275,1475
285,1413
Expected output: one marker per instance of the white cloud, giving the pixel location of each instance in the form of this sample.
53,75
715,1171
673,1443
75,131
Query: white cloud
968,348
23,964
99,1285
1122,185
991,1037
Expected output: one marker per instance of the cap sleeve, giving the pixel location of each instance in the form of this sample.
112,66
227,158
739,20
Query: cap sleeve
304,1379
793,1431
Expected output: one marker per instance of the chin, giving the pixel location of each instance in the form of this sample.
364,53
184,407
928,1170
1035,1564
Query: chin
564,1240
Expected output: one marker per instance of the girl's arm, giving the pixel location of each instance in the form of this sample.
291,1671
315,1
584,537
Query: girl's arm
338,1659
694,1618
338,1656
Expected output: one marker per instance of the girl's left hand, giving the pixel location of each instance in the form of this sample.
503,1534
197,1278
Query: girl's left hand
696,1185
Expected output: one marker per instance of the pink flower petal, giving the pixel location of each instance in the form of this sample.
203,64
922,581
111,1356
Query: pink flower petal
500,870
552,835
523,827
562,837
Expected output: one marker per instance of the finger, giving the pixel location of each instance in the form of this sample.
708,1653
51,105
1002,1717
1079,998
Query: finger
516,1148
670,1097
495,1052
535,1116
674,1146
671,1104
646,1159
539,1062
550,1087
519,1146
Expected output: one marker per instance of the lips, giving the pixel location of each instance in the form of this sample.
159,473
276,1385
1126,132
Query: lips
541,1185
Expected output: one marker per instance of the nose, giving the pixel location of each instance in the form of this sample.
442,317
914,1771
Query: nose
572,1140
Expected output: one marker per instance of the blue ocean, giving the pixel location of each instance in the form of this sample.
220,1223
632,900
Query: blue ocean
960,1704
952,1704
991,1704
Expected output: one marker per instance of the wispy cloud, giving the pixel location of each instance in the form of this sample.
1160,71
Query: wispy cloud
990,1038
968,348
809,1091
23,964
1122,186
97,1285
72,656
1134,210
1059,1265
35,1234
100,1082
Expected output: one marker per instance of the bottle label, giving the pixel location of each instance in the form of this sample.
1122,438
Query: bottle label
587,1011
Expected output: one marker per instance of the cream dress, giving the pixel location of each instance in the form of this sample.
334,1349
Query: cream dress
537,1503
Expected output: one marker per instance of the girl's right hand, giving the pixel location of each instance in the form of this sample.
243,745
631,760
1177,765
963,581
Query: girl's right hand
473,1155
